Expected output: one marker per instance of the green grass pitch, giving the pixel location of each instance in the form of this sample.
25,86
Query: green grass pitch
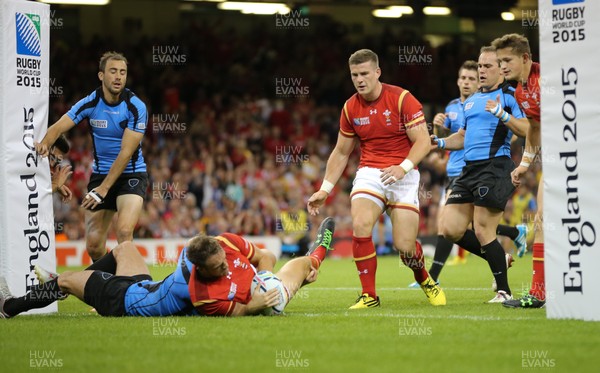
319,333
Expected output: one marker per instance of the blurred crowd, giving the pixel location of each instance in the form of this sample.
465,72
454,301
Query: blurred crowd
226,151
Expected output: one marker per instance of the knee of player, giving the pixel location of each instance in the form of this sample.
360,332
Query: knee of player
362,227
451,233
65,279
404,245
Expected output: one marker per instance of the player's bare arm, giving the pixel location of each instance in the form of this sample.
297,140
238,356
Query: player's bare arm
456,141
263,259
532,147
64,124
129,144
419,136
335,166
259,302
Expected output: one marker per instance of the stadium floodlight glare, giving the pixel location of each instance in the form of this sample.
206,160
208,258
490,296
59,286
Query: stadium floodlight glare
386,13
76,2
507,16
436,11
404,9
255,8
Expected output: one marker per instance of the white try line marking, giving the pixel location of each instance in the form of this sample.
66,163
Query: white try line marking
411,316
402,289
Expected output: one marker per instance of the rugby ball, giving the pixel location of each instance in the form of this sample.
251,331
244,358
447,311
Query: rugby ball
265,281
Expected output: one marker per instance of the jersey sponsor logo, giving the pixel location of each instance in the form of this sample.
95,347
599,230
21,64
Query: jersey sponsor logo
525,105
133,183
374,111
232,291
99,123
455,195
453,115
362,121
483,191
141,126
417,114
110,112
469,105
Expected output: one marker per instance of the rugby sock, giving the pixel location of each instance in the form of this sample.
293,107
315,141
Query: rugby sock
106,263
416,263
507,231
317,257
470,243
442,251
497,261
39,296
365,259
538,285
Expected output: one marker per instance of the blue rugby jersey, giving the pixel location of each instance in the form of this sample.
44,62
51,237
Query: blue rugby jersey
108,123
454,119
486,136
170,296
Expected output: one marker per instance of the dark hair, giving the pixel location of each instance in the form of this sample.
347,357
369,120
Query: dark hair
362,56
468,65
110,56
62,144
518,43
202,247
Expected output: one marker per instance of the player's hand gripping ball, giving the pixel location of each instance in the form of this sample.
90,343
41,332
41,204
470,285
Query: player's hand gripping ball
266,281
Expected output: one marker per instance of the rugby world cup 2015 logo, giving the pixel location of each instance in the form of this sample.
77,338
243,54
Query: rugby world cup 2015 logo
28,34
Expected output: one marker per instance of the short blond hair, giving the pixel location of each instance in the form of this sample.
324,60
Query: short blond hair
362,56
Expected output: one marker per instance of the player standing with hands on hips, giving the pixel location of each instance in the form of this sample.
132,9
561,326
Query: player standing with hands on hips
388,123
117,121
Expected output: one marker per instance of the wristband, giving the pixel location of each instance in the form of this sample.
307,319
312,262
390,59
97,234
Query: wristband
407,165
524,164
441,143
326,186
505,117
497,110
529,155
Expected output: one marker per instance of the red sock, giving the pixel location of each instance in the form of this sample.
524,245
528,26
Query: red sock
365,259
318,256
538,284
416,263
461,252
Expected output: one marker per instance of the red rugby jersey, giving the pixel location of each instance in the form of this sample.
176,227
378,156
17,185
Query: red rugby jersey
381,125
218,297
528,96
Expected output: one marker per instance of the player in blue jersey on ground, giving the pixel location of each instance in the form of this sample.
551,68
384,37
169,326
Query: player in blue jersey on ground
479,195
117,121
450,122
213,277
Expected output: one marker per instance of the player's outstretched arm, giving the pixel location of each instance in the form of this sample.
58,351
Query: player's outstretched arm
259,302
336,164
456,141
64,124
